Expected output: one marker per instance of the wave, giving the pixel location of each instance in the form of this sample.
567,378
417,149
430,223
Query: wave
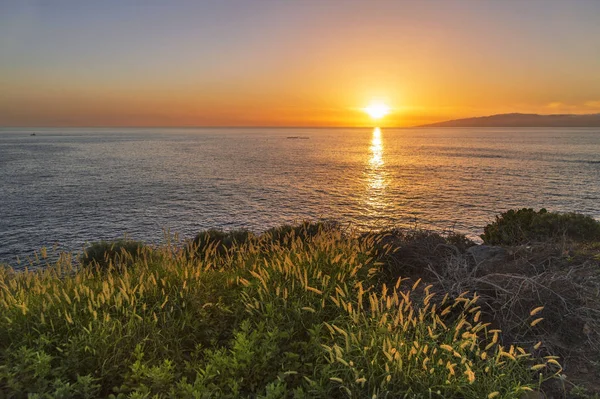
585,161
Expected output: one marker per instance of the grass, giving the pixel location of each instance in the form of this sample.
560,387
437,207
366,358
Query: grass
120,253
213,240
300,312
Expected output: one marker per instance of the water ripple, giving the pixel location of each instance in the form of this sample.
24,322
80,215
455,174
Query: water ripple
64,188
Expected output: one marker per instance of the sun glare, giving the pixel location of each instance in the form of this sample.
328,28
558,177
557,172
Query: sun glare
377,110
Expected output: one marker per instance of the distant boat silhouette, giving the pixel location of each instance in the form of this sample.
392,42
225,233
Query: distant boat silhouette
298,137
32,134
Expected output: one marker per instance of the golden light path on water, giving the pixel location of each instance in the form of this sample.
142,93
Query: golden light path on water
189,180
376,178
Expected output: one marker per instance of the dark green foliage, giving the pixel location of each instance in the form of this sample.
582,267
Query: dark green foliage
525,225
303,231
120,253
31,372
219,241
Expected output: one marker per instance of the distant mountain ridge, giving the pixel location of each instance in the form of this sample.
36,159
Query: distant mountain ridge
523,120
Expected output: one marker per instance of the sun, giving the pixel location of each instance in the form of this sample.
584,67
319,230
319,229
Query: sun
377,110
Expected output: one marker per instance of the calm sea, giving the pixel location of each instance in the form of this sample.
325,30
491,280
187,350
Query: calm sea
66,187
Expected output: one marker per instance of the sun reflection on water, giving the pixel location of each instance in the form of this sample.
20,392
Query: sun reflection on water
376,149
376,178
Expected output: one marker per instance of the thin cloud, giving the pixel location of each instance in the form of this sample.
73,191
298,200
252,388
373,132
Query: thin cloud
582,108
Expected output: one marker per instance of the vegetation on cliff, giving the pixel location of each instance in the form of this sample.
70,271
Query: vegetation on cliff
303,311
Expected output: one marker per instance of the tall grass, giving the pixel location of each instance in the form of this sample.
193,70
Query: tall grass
301,316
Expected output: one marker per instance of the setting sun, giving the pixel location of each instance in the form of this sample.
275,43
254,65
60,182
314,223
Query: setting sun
377,111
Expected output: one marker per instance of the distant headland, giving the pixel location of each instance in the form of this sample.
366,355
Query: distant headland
523,120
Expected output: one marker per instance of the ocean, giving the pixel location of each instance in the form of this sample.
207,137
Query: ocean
63,188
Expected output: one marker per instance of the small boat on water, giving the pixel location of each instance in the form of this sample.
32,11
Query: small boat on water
32,134
298,137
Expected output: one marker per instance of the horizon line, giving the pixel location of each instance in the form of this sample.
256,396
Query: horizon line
426,125
205,127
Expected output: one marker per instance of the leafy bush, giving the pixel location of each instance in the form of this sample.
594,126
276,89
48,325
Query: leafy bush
526,225
214,241
29,370
303,231
118,253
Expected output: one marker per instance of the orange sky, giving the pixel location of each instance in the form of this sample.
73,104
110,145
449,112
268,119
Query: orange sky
269,63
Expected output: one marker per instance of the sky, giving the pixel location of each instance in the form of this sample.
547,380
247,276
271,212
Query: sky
293,63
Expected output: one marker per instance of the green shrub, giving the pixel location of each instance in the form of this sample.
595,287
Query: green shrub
218,241
31,371
525,225
118,253
304,231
